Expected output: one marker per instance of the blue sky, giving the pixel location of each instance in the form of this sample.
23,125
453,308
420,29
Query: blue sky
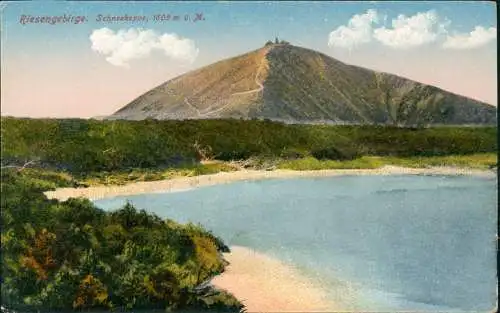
240,25
232,28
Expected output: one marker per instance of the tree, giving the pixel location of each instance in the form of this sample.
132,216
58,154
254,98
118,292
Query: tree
276,41
203,153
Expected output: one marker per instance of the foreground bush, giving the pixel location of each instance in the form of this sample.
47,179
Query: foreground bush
72,255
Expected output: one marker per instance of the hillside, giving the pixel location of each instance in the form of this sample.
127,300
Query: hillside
82,146
288,83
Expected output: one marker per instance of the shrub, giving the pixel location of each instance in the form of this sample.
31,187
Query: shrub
85,146
333,153
72,255
292,154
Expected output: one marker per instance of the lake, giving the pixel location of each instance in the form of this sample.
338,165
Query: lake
425,243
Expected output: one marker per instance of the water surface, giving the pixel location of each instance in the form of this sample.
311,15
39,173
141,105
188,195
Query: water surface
423,243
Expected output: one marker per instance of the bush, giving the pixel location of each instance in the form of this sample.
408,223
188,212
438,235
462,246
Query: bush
333,153
292,154
71,255
84,146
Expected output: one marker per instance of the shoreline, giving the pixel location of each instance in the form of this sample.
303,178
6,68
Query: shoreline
266,284
185,183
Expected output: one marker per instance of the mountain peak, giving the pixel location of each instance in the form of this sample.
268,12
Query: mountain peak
280,81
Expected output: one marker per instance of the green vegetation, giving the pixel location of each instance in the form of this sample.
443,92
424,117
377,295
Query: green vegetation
81,147
72,255
121,177
476,161
311,163
53,179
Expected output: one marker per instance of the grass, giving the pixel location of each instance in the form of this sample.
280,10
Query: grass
53,179
476,161
49,179
310,163
137,175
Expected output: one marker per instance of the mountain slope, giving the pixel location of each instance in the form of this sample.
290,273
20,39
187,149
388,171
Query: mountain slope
289,83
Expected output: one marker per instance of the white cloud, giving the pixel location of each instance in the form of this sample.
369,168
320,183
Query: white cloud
480,36
407,32
358,31
124,45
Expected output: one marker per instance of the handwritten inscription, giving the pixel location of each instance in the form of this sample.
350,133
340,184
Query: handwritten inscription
109,18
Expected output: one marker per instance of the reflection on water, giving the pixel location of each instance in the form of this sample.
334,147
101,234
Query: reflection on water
421,243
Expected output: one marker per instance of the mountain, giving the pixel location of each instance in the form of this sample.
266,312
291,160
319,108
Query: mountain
293,84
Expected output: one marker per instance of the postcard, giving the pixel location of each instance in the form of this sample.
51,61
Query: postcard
249,156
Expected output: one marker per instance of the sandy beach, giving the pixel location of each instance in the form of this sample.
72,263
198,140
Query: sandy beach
184,183
265,284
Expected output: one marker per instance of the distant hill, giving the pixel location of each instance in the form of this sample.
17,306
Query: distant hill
293,84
